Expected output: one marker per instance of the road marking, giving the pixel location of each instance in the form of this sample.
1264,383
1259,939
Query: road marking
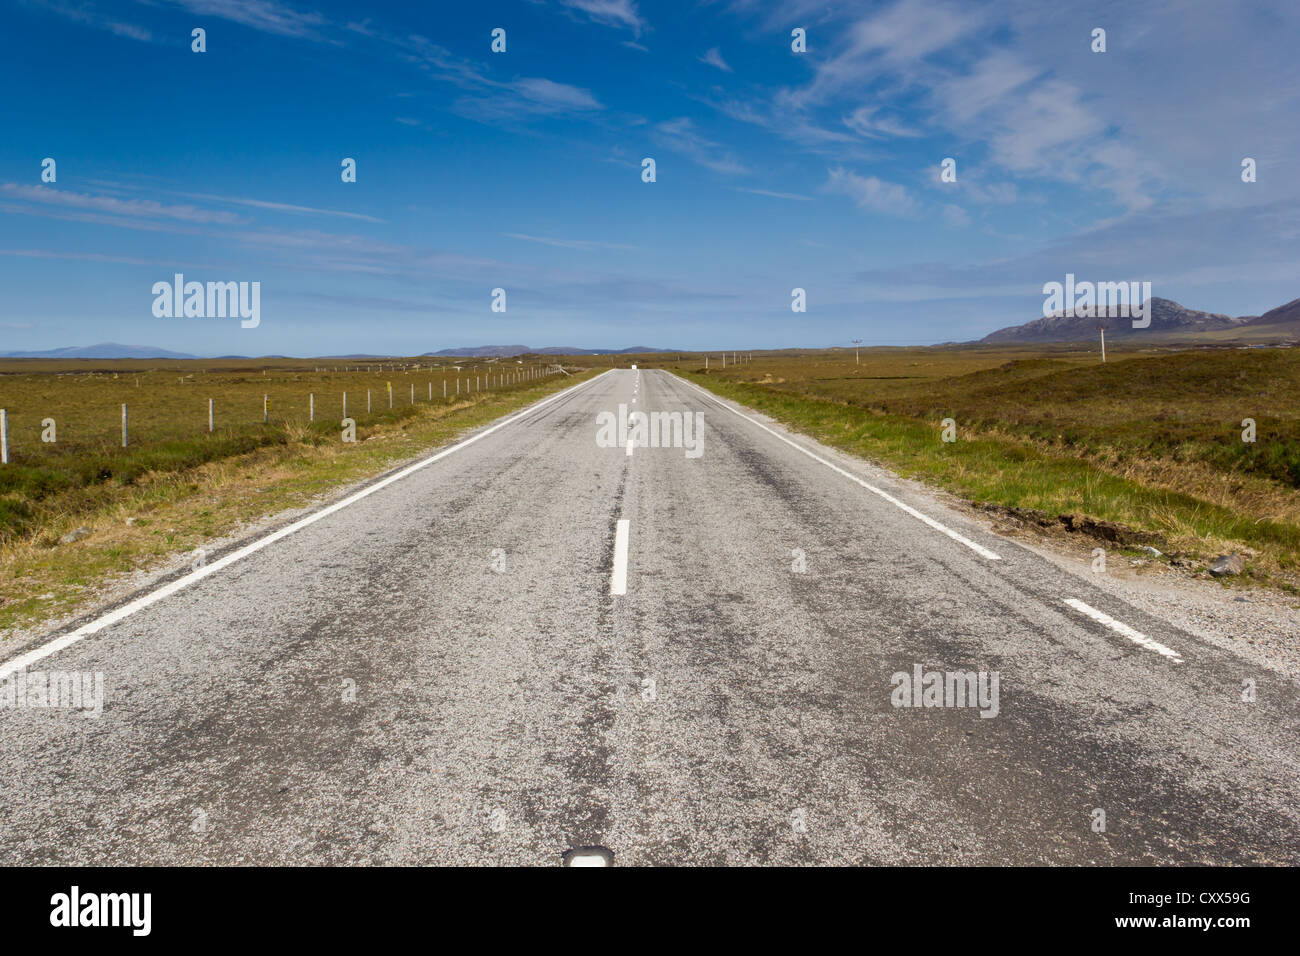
977,548
23,661
1137,637
588,856
618,580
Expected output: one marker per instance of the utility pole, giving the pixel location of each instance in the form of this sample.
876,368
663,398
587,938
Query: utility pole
856,343
1103,344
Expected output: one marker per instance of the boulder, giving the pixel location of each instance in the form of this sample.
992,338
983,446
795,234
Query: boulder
1227,564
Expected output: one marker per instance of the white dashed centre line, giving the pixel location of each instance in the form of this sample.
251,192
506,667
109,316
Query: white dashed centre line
1119,627
618,580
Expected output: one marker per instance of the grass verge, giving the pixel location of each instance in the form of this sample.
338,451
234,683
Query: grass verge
138,521
1192,509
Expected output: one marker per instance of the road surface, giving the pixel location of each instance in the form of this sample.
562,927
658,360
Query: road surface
439,671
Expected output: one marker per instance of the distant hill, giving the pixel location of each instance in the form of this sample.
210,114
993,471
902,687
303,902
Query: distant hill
104,350
509,351
1288,314
1169,320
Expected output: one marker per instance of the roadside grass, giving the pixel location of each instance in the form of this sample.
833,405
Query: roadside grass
80,405
1151,442
149,502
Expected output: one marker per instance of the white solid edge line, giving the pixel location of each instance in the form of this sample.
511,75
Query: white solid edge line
618,580
22,661
1137,637
977,548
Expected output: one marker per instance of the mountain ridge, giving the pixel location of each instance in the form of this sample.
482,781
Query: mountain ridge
1168,318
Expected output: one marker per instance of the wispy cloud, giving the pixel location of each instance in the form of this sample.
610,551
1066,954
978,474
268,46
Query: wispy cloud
713,57
550,96
488,100
523,100
775,195
898,37
282,207
956,216
87,15
264,15
611,13
867,121
586,245
681,136
871,193
143,208
87,257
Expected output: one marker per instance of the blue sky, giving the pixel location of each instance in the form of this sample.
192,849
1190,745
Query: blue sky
522,170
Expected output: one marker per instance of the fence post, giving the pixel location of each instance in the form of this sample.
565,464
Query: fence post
367,401
4,437
209,415
412,393
124,424
345,404
266,409
311,406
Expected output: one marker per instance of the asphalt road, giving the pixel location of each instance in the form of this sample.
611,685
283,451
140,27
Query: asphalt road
438,672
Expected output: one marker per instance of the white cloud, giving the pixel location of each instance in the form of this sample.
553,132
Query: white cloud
586,245
871,193
956,216
264,15
550,96
143,208
87,15
866,121
281,207
776,195
611,13
713,57
898,38
680,136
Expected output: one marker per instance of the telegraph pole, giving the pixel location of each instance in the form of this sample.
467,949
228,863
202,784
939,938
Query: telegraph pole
856,343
